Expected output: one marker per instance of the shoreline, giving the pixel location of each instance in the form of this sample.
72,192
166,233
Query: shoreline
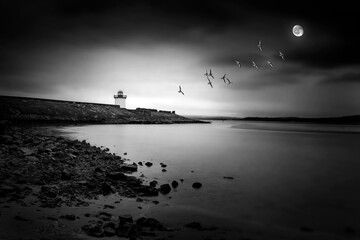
52,187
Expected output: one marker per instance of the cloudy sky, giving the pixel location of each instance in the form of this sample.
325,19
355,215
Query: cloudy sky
87,50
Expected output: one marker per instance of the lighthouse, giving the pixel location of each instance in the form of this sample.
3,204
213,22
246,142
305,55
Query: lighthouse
120,99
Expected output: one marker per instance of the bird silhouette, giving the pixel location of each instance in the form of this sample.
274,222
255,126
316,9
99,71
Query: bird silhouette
210,83
180,91
282,55
260,45
229,82
254,65
210,74
270,63
238,63
223,78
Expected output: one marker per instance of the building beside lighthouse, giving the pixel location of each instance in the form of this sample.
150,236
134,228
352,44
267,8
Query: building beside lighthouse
120,99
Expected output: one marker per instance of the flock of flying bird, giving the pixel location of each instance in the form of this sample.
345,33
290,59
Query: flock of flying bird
224,78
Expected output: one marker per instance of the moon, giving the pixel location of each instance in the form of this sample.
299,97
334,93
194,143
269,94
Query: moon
298,30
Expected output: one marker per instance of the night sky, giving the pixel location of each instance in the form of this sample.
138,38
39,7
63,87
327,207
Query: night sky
87,50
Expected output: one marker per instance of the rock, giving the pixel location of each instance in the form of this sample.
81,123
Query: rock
165,188
181,180
65,175
164,170
194,225
149,222
197,185
174,184
153,183
129,167
125,231
126,218
104,216
70,217
140,163
139,200
32,158
108,206
156,202
163,165
116,176
26,151
148,191
231,178
93,229
149,164
125,153
109,231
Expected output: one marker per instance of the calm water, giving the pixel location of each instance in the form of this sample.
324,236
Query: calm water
285,175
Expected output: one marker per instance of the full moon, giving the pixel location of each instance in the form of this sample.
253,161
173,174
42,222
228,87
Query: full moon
298,30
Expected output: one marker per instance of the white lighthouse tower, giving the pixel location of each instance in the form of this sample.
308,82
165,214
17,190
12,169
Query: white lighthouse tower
120,99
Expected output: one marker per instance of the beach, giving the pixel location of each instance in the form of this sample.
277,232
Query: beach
48,183
55,187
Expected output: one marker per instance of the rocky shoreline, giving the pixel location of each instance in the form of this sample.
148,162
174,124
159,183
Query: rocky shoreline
43,171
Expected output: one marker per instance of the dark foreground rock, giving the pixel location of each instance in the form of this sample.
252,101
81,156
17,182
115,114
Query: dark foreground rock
197,185
165,188
65,172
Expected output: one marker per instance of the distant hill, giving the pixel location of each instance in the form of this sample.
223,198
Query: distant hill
354,119
26,110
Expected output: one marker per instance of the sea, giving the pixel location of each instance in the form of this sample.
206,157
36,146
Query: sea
286,176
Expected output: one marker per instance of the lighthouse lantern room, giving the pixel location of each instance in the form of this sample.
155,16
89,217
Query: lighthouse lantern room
120,99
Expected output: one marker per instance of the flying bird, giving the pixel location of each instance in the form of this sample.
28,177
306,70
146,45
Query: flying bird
254,65
210,83
180,91
281,55
223,78
270,63
229,82
210,74
260,45
238,63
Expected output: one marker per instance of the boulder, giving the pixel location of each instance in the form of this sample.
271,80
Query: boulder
116,176
165,188
149,164
109,231
174,184
197,185
231,178
153,183
149,222
104,216
93,229
126,218
129,167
